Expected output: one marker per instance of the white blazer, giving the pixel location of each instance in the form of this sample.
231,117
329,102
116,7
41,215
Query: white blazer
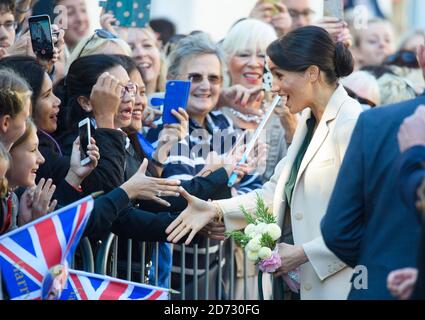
324,276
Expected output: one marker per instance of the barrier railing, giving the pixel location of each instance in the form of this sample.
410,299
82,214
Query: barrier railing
108,261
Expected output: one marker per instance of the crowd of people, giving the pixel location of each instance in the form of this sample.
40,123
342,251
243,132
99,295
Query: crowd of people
340,161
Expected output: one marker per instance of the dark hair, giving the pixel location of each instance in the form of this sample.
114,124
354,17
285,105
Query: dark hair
7,6
308,46
29,69
130,66
82,76
164,27
127,63
172,43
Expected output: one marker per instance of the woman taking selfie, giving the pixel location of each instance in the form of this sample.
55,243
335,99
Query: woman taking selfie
306,66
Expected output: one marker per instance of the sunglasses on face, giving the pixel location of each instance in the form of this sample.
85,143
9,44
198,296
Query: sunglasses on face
131,88
198,78
403,58
101,33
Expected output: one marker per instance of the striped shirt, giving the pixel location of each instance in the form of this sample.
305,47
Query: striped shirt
187,157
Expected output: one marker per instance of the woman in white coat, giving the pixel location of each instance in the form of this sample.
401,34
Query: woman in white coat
306,66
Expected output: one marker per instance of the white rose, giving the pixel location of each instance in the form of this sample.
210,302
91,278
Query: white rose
254,244
250,230
261,228
274,231
252,255
264,253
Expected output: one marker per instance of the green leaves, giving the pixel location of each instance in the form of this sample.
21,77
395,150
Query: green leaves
263,216
267,241
263,213
240,238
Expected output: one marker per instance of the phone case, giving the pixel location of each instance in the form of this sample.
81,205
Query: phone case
86,124
129,13
41,36
176,96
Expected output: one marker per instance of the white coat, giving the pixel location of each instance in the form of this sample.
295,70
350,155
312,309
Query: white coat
324,276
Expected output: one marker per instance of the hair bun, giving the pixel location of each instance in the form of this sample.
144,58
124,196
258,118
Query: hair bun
344,61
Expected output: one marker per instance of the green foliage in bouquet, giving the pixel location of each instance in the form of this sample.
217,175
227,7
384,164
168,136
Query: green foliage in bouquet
262,214
267,241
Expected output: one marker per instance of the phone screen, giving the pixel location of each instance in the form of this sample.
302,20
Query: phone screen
41,36
84,139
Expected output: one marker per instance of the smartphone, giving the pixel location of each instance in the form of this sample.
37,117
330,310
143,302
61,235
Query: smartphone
129,13
41,36
333,8
176,96
85,132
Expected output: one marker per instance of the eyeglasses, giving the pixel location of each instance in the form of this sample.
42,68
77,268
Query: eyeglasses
403,58
131,88
9,25
198,78
361,100
101,33
297,14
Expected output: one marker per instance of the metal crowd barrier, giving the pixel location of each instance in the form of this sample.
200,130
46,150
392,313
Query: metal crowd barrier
107,262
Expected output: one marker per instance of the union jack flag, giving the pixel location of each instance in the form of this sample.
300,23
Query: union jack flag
87,286
27,253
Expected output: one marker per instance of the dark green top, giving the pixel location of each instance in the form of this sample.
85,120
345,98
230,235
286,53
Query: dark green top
290,184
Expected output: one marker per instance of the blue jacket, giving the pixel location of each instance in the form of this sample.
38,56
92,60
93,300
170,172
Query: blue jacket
411,175
367,223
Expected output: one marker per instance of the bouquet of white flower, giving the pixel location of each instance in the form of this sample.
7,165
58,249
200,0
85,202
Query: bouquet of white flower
260,238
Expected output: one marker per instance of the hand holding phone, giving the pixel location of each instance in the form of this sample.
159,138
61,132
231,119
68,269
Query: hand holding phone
85,132
41,36
176,96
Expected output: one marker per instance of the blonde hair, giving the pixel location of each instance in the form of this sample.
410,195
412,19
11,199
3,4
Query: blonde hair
93,44
30,129
148,31
14,93
248,34
357,33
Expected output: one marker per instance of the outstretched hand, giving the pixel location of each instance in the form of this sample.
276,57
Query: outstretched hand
142,187
241,99
195,217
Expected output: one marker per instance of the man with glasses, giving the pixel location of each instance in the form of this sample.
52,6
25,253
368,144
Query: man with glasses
7,25
288,15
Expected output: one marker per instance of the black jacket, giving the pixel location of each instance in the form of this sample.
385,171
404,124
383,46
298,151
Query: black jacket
113,212
109,172
213,186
